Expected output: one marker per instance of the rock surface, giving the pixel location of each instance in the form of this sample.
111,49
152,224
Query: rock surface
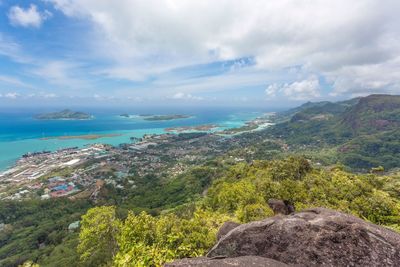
283,207
226,228
252,261
314,237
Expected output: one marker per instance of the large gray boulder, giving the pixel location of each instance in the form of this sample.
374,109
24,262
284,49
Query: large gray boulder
314,237
226,228
278,206
251,261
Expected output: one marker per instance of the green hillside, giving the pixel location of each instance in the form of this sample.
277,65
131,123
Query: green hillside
363,131
240,193
373,114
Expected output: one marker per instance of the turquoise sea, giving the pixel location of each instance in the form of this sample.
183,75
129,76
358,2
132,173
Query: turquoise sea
21,133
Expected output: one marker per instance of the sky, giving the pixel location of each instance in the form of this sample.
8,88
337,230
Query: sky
185,52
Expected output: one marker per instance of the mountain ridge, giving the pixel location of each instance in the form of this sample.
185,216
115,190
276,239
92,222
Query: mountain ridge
341,125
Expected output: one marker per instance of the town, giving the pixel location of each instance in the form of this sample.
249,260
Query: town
82,172
74,172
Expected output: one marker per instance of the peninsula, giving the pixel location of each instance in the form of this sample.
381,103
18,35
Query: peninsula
65,114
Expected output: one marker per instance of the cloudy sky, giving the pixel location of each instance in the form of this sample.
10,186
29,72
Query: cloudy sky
172,52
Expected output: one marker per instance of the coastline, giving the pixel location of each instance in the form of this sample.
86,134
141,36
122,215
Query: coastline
197,128
18,147
82,137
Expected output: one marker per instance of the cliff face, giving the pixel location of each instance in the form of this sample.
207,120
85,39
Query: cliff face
314,237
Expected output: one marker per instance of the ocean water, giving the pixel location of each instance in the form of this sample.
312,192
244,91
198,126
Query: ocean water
20,133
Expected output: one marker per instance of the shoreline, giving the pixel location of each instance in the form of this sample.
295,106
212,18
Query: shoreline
82,137
50,143
198,128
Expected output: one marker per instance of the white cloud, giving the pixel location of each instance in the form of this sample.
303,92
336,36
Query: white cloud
97,96
11,49
230,81
49,95
29,17
135,98
302,90
183,96
13,81
11,95
59,73
368,78
273,89
178,96
337,39
299,90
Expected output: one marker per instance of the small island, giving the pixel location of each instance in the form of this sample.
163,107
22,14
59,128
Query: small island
124,115
164,117
65,114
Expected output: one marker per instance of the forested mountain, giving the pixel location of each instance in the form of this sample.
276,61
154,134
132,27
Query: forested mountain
361,132
373,114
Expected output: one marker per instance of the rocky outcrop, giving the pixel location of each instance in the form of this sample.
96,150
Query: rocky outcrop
278,206
314,237
226,228
252,261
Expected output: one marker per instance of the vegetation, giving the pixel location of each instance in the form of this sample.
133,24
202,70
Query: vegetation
38,230
165,217
64,115
361,133
240,193
152,241
99,229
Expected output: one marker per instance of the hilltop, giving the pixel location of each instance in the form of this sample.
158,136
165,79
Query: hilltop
363,115
372,114
361,132
313,237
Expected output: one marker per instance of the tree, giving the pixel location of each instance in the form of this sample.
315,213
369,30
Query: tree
98,236
253,212
152,241
29,264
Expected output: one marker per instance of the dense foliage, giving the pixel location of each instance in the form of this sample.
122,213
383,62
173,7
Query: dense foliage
152,241
240,193
99,229
38,231
361,133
